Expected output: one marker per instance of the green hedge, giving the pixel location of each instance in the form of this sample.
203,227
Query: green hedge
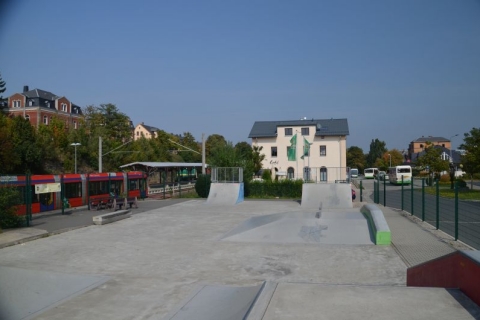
281,189
202,186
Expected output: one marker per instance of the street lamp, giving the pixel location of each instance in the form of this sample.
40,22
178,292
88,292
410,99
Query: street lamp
76,144
390,158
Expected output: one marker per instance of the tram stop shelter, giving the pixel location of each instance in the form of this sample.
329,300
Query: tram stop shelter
164,173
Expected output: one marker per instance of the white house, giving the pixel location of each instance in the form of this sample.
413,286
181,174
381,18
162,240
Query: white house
312,150
144,131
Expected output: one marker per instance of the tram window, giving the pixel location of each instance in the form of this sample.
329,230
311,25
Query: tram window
73,190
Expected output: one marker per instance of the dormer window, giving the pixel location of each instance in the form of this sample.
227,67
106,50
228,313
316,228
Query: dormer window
30,103
64,107
16,103
47,104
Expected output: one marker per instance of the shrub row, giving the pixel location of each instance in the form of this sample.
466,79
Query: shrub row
281,189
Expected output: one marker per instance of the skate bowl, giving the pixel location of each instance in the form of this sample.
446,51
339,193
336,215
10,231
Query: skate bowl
326,196
225,194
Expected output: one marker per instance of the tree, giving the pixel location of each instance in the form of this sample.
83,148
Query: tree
188,141
377,149
7,162
393,155
257,158
27,153
355,158
431,158
244,150
471,159
2,88
212,142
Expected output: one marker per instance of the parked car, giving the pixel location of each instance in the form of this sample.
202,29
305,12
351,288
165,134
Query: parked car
382,175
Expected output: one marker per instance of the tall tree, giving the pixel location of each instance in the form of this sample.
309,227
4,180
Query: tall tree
7,161
356,158
394,156
257,157
432,159
471,159
26,149
2,88
213,141
377,149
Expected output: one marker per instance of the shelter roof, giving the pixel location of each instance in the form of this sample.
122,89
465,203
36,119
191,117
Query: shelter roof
164,164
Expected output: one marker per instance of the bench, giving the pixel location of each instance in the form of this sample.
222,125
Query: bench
132,202
101,203
111,217
118,203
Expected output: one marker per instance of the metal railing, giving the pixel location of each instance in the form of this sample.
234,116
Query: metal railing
458,218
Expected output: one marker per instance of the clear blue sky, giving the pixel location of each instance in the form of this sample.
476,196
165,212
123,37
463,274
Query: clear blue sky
397,70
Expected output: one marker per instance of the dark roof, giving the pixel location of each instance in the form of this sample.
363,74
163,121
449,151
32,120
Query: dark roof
431,139
150,128
325,127
37,93
456,156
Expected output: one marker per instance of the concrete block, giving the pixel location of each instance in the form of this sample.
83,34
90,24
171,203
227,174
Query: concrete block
111,217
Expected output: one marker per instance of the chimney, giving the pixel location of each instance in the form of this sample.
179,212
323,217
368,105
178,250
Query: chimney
25,89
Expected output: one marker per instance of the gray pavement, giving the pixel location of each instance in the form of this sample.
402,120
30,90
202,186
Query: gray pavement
152,265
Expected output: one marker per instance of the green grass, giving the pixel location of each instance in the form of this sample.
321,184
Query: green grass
446,192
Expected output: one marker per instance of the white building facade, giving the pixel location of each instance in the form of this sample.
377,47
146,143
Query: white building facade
313,150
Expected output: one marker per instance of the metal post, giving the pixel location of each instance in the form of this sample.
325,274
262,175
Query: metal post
179,186
361,191
437,196
164,183
423,199
402,192
62,193
100,154
88,191
411,195
28,202
203,153
384,192
456,210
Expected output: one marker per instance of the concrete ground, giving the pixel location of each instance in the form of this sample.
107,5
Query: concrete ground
161,262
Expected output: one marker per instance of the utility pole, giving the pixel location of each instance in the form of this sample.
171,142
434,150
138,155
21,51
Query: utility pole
99,154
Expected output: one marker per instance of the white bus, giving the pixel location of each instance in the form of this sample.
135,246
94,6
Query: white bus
370,173
395,174
354,173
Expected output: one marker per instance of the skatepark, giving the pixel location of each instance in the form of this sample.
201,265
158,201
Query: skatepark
230,259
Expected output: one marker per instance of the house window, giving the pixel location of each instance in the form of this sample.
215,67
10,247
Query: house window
274,151
16,103
45,120
305,131
421,146
138,133
64,107
323,151
74,124
47,104
27,117
30,103
288,131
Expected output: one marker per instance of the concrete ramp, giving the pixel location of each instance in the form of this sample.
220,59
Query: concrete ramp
218,302
326,196
26,293
345,228
225,193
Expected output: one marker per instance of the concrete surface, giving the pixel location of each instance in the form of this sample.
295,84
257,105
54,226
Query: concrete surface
326,196
157,259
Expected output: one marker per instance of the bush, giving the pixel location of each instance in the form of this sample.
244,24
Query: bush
9,198
267,175
461,183
281,189
445,178
202,186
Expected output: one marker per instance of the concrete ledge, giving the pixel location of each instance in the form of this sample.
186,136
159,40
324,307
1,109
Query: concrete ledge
111,217
378,223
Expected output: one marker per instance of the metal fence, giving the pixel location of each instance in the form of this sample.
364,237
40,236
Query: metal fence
325,174
227,174
458,218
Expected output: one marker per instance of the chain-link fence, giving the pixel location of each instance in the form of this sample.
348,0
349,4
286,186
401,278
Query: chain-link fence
227,174
455,212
